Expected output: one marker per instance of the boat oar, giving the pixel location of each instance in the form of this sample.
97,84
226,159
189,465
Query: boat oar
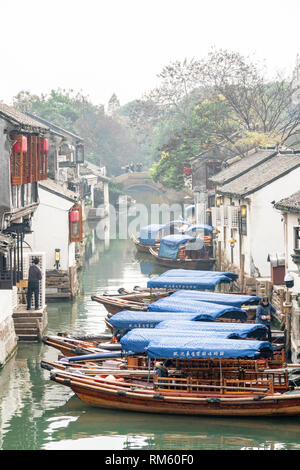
97,356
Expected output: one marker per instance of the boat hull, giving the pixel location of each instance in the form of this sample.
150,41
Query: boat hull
134,302
140,247
204,263
117,399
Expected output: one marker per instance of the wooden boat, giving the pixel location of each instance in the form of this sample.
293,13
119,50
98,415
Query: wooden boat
70,346
142,248
152,233
182,260
257,394
133,301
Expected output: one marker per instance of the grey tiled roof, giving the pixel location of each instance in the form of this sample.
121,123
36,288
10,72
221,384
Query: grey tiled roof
261,175
54,127
242,166
54,187
25,122
289,204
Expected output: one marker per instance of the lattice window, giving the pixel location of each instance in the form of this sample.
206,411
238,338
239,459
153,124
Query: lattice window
225,216
233,217
16,160
31,165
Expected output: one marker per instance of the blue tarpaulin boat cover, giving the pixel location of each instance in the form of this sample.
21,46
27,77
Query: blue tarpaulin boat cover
191,283
189,210
236,300
169,245
149,233
203,348
205,310
177,223
197,273
129,319
138,339
206,229
242,330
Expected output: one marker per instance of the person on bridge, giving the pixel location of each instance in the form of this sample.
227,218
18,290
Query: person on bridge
132,166
139,166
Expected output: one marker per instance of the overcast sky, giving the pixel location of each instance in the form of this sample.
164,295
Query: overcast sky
101,47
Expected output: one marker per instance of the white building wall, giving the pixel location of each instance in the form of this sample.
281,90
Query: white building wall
8,338
50,227
265,227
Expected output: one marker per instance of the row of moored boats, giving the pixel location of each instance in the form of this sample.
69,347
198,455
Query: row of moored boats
182,345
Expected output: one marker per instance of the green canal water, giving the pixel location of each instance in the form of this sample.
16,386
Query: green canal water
38,414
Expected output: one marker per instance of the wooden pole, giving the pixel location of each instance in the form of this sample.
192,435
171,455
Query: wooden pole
219,256
242,269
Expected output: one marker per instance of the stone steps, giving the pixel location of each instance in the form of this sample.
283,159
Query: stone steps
29,324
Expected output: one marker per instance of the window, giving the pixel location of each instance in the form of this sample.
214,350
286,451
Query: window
28,159
211,169
243,219
297,238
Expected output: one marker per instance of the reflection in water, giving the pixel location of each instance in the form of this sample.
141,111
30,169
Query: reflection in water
36,413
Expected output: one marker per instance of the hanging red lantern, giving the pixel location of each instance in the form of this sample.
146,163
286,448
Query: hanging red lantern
46,145
187,170
74,216
17,145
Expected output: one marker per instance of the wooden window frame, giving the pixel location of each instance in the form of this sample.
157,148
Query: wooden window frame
30,166
216,167
296,238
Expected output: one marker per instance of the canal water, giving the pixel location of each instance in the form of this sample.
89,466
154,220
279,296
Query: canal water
38,414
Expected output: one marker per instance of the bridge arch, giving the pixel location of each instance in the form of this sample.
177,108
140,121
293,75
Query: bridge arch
137,180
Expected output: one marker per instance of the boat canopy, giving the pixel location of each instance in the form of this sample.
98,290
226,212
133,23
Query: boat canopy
129,319
197,273
206,348
205,310
149,233
202,228
169,245
176,223
236,330
138,339
236,300
190,283
189,210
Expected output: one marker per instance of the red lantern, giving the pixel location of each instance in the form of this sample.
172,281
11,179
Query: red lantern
74,216
46,145
17,145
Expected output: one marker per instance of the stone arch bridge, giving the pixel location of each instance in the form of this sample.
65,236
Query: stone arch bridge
137,180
